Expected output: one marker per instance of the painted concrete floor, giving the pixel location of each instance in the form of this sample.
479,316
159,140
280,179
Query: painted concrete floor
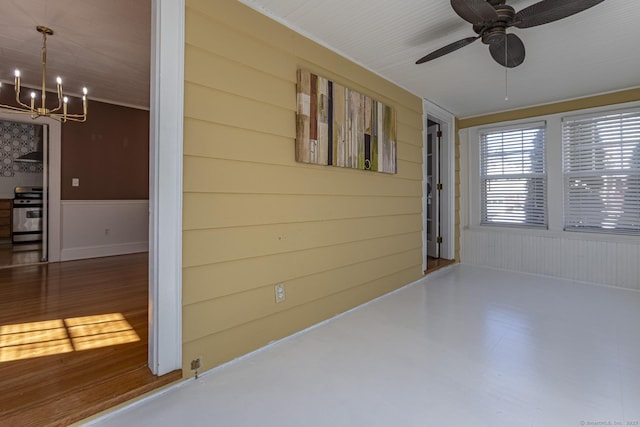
466,346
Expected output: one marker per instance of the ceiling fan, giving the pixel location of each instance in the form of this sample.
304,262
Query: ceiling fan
491,18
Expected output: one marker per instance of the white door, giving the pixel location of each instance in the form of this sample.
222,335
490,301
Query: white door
433,193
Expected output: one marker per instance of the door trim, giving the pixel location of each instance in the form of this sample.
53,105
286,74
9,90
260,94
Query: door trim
165,192
433,247
53,171
434,113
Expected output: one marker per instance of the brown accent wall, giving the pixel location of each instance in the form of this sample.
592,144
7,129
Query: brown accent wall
109,154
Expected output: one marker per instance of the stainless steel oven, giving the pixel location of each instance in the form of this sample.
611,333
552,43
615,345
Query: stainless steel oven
27,214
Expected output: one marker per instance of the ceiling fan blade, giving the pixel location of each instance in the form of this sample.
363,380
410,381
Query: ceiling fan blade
510,56
474,11
550,10
447,49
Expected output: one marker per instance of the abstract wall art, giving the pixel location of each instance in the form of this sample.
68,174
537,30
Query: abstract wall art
338,126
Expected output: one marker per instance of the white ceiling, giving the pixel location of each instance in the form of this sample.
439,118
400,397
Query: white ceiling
592,52
101,44
105,45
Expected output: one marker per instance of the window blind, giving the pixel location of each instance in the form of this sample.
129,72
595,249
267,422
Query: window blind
601,165
513,176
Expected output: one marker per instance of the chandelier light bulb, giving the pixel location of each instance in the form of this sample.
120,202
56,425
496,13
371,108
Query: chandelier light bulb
46,109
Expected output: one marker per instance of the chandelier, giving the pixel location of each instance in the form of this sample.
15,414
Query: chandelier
60,111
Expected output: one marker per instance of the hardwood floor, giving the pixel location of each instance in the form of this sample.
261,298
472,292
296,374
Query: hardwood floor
434,264
19,254
73,339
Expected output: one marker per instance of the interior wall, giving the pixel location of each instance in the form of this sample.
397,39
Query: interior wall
109,154
253,217
97,228
588,257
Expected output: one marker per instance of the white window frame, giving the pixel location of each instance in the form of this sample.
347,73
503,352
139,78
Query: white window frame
513,176
470,183
587,166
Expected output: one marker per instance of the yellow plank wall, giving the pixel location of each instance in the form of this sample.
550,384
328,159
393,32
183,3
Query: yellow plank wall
253,217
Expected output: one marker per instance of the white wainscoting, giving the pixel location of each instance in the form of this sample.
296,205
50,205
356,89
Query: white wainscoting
613,261
96,228
607,259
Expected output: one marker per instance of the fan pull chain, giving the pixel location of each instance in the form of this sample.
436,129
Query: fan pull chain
506,86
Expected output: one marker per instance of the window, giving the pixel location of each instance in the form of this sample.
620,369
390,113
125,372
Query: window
601,162
512,174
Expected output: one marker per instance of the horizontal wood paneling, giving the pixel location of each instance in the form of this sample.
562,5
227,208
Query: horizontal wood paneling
224,346
265,44
216,140
225,244
218,314
223,176
217,210
225,75
254,217
410,153
236,111
245,274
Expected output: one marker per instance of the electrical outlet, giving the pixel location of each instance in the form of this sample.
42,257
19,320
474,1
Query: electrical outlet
75,182
280,294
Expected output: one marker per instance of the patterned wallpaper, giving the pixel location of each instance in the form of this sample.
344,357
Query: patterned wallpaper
17,139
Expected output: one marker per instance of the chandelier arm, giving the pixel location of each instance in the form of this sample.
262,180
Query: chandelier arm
81,118
17,109
17,88
43,111
59,89
58,107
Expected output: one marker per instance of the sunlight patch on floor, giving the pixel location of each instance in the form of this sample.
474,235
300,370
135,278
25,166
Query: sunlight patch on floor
37,339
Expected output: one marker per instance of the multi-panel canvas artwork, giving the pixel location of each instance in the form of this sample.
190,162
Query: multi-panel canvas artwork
340,127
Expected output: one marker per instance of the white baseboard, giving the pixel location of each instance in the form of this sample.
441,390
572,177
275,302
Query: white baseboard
104,250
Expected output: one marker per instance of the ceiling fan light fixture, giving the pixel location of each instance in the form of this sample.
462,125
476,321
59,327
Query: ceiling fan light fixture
43,110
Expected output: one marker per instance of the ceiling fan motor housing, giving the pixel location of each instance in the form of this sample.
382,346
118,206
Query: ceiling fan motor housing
491,18
495,30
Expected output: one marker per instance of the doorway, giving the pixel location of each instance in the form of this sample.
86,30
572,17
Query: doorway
438,187
21,243
434,186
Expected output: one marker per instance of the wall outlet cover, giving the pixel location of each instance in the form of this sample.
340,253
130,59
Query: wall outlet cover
280,293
